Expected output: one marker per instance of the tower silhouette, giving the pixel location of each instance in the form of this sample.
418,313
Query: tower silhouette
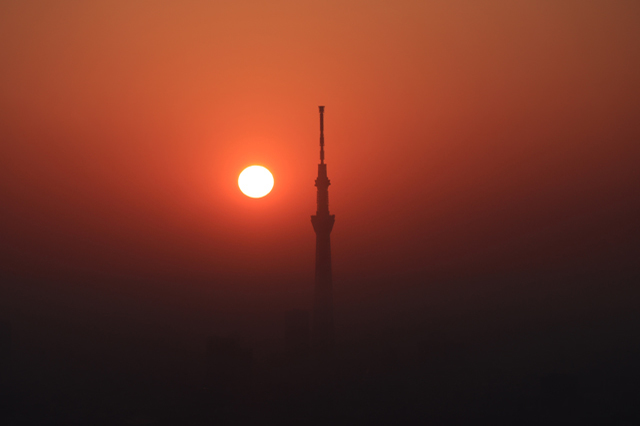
322,331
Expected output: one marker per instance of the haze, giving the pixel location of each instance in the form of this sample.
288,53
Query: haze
483,158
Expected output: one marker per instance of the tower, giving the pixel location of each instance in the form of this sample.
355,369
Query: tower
322,332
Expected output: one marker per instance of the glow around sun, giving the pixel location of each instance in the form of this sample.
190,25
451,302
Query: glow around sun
255,181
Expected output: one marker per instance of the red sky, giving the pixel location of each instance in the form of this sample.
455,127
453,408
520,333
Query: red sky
462,138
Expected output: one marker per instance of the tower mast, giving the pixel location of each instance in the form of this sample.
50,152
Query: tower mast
322,331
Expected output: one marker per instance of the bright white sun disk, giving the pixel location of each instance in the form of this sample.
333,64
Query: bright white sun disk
255,181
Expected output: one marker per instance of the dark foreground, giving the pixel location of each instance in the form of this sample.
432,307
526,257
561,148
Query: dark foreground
569,358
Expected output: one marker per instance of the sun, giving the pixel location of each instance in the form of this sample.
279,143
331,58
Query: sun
255,181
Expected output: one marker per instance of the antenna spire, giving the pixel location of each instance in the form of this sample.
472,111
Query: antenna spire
321,134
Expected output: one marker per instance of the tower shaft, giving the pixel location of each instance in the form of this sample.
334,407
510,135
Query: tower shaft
322,330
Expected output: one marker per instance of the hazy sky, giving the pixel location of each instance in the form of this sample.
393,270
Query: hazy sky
462,138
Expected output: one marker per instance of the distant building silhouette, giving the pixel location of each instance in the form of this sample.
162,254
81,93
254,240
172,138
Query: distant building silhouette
5,339
6,403
322,329
229,365
296,334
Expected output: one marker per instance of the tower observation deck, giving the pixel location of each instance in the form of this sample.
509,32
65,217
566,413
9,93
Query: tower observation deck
322,330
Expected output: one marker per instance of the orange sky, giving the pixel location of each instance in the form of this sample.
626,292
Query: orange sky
461,136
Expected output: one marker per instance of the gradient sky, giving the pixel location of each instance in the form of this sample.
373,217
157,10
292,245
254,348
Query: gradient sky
463,139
